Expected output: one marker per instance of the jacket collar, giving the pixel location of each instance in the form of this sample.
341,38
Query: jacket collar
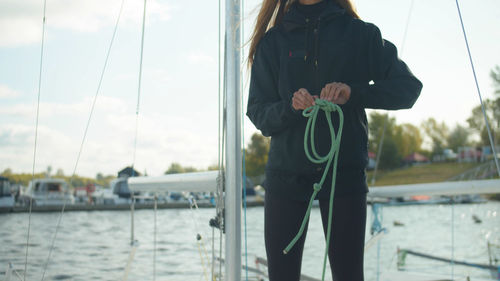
293,19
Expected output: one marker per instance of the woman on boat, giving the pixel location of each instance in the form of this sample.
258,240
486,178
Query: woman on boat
303,50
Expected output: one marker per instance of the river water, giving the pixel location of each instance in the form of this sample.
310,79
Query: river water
96,245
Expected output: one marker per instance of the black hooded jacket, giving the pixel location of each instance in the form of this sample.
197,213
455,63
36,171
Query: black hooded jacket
304,53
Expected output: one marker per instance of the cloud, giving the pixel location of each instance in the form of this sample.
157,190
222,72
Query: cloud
21,20
163,138
17,146
10,29
62,110
198,57
157,75
7,93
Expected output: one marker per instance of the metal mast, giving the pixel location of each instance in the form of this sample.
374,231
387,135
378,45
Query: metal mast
233,142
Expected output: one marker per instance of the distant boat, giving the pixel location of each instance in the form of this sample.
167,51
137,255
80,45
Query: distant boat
6,197
426,199
118,193
49,191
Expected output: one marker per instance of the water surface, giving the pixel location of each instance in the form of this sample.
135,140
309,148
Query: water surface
96,245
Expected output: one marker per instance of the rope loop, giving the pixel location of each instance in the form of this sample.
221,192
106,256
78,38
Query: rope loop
332,156
324,105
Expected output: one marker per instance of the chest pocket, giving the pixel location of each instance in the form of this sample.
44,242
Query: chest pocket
295,71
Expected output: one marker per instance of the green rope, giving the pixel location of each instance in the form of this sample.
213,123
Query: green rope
312,114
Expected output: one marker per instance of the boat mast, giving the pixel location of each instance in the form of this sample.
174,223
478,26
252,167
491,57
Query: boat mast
233,173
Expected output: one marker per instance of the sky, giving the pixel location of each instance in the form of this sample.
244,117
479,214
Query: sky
178,113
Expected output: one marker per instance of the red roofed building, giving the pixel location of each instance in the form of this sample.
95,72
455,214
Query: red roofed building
415,158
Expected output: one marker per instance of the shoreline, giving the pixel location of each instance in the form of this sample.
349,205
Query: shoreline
111,207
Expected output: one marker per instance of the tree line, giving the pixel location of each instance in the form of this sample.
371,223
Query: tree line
75,181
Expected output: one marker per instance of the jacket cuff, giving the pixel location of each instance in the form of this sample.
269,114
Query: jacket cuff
357,95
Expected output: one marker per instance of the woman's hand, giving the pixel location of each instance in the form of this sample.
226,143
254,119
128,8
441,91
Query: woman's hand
302,99
336,92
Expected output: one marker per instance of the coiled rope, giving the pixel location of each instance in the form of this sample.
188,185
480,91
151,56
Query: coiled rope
309,146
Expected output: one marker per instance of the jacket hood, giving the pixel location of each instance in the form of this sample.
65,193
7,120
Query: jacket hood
295,19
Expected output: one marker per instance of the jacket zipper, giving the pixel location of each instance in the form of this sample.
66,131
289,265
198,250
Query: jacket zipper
316,68
316,47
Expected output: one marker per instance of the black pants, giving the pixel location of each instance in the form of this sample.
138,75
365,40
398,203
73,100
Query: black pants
282,222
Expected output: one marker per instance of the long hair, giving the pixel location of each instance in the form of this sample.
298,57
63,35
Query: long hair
271,14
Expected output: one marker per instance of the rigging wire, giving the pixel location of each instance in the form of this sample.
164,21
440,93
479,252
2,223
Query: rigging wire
221,183
219,194
199,238
245,209
212,277
202,261
219,162
135,140
222,178
84,136
139,88
244,176
452,238
219,140
401,51
137,128
403,42
154,235
36,138
493,146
